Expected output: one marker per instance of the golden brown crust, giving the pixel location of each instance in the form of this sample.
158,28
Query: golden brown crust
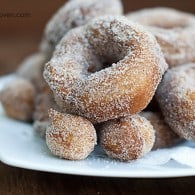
164,136
70,137
122,89
174,31
17,99
127,138
176,97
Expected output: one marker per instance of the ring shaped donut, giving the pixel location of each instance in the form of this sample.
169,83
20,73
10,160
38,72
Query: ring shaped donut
75,13
176,98
162,17
174,31
84,84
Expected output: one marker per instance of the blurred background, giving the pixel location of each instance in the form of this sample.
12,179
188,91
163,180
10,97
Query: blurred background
20,36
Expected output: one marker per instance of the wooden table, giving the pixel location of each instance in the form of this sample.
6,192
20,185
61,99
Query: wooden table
16,181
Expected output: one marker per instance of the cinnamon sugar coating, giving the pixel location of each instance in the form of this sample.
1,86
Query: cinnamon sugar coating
164,136
176,97
69,136
127,138
17,99
174,31
75,13
81,80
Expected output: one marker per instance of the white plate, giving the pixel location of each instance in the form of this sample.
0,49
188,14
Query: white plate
21,148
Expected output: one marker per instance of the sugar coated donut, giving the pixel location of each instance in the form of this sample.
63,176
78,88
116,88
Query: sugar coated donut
17,99
176,97
70,137
127,138
44,100
76,13
174,31
178,45
164,136
31,69
162,17
31,66
106,69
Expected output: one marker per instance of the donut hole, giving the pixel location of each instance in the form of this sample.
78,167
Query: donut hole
108,63
93,68
103,62
99,65
106,44
110,54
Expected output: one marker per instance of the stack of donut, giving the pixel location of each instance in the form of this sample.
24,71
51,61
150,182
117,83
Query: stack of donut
174,31
95,74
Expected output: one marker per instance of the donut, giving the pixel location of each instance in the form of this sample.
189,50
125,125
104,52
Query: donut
69,136
178,45
176,98
174,31
127,138
17,99
107,69
162,17
72,14
31,67
44,100
164,136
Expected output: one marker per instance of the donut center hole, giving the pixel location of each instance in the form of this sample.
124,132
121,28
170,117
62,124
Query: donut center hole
93,68
107,51
102,65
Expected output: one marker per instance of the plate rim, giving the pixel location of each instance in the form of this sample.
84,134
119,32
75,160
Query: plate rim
183,172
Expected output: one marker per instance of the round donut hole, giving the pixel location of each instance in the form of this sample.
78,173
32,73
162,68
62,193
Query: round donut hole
105,64
106,54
